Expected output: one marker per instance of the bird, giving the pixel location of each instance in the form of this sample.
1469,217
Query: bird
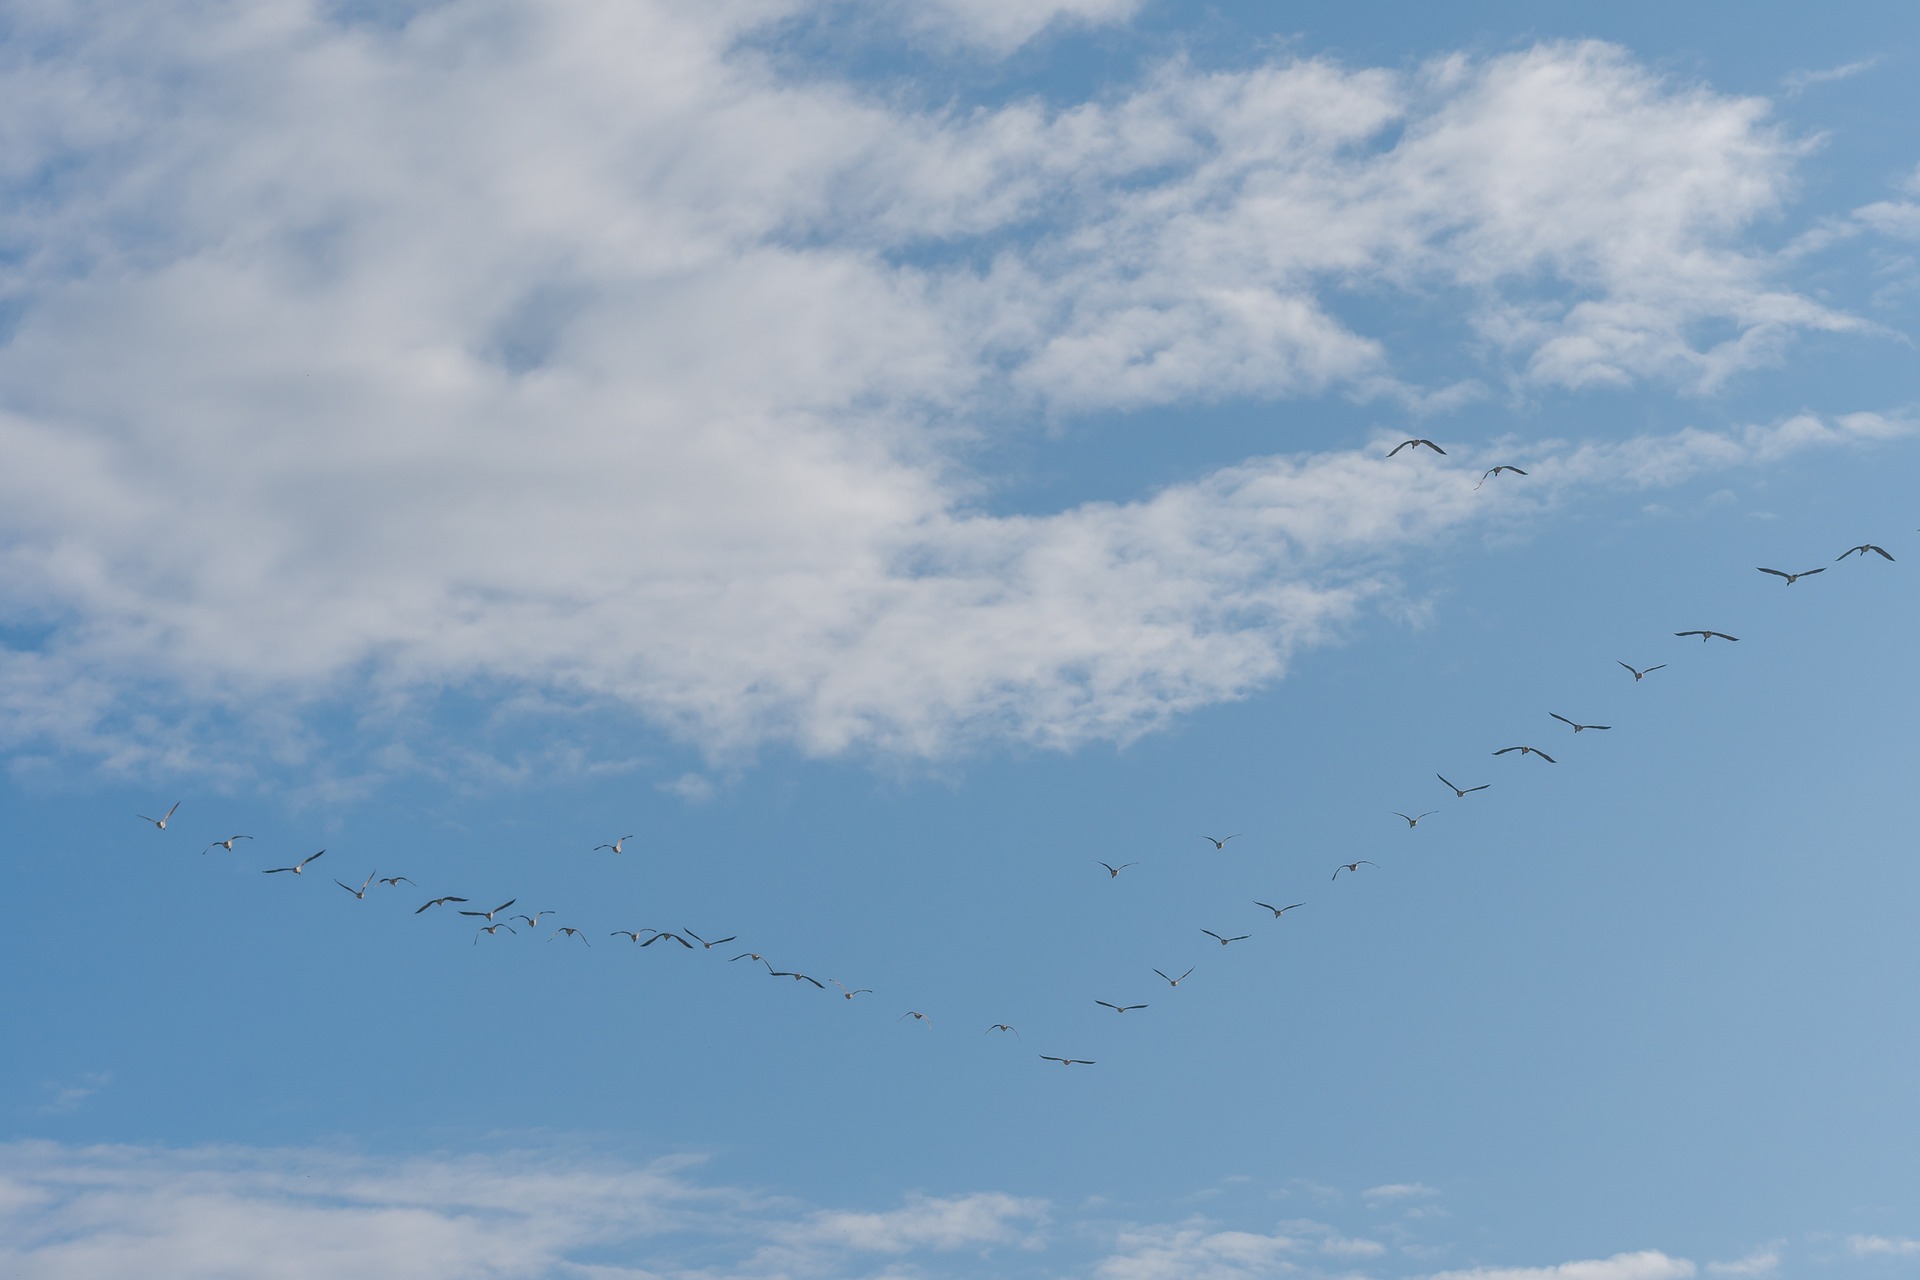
1706,636
631,936
1415,821
1120,1008
1352,866
492,930
361,892
1793,577
1862,550
916,1015
1113,872
437,902
857,991
1577,727
1070,1062
1222,843
1639,675
1174,982
659,934
734,937
1463,792
1000,1026
297,868
615,846
1494,471
782,973
397,881
226,844
489,915
1240,937
1528,751
571,932
749,955
161,821
533,921
1278,911
1409,444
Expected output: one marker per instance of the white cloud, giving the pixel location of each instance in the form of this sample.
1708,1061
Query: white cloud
1196,1251
1001,26
1883,1247
68,1096
1400,1191
925,1222
576,350
1761,1262
1799,82
1647,1265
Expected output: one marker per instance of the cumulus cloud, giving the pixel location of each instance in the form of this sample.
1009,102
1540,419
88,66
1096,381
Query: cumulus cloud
585,351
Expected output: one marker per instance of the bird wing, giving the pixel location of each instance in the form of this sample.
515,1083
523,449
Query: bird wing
1808,573
1397,448
1661,667
1436,448
1557,716
272,870
1210,933
1482,787
1103,1002
176,805
1502,751
1183,977
1882,550
1544,756
1775,572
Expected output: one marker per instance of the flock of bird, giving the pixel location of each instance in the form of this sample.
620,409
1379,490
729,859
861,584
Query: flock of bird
490,922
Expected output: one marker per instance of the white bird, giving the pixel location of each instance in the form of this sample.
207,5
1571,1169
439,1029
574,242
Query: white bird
161,821
296,868
361,892
226,844
615,846
1414,820
1174,982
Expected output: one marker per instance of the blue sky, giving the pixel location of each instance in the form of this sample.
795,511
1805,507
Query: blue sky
890,459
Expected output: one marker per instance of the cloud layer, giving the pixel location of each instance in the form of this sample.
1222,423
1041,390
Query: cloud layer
583,349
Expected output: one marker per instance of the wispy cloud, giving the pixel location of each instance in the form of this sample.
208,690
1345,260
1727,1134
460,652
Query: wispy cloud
1798,82
1647,1265
1883,1247
69,1095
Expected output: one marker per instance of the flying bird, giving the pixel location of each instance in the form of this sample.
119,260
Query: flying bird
1577,728
916,1015
1174,982
297,868
1279,911
161,821
1706,636
1494,471
437,902
615,846
361,892
571,932
1222,843
1113,872
733,937
857,991
783,973
533,921
750,955
1639,675
1862,550
489,915
492,930
1793,577
226,844
1414,444
631,936
397,881
1241,937
1528,751
1352,866
1120,1008
659,934
1463,792
1000,1026
1415,820
1071,1062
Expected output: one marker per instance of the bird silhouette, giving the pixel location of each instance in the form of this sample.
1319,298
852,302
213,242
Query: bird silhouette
489,915
1119,1008
1071,1062
1528,751
1222,842
1000,1026
1793,577
1174,982
397,881
226,844
916,1015
615,846
1706,636
1577,728
717,942
1414,444
571,932
659,934
1278,911
857,991
1639,674
1414,821
1862,550
1239,937
1352,866
361,892
1494,471
438,902
493,930
1113,872
1463,792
